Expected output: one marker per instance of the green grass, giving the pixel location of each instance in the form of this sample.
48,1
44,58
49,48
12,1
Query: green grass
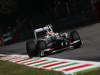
95,71
8,68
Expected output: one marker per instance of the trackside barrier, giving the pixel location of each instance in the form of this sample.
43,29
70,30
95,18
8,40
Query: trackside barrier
68,67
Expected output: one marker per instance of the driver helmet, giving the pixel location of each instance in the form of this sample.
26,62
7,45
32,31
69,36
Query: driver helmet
50,35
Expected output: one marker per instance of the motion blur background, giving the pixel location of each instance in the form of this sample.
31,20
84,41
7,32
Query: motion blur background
19,17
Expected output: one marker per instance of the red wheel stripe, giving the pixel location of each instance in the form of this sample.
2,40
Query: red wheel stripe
23,60
36,62
77,67
53,64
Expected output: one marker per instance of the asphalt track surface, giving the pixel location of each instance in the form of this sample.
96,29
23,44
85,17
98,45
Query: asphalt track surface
90,49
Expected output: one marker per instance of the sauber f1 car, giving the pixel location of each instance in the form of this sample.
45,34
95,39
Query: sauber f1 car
47,41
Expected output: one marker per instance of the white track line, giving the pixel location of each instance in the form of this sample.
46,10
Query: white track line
14,55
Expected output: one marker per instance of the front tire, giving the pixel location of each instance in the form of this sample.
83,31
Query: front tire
75,37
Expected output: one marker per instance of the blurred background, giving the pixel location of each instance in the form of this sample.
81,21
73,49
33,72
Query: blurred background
19,17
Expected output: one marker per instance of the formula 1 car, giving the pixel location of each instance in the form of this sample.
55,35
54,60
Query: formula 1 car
47,41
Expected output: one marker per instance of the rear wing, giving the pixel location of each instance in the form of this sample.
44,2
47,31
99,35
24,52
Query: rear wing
47,28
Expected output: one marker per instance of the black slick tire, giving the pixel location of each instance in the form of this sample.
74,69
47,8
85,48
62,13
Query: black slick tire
41,45
31,48
75,36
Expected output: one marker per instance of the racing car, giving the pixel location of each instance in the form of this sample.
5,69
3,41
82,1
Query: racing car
47,41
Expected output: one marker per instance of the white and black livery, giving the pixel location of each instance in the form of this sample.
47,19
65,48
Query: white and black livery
47,41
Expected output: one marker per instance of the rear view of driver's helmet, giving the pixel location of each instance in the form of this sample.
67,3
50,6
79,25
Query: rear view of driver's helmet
50,35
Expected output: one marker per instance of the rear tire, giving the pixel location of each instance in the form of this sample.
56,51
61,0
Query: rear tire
41,45
31,48
75,36
35,48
